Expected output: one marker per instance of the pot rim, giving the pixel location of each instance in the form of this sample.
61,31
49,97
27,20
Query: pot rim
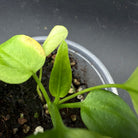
89,57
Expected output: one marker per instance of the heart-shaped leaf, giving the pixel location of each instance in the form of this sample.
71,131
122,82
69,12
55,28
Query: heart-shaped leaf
56,36
20,57
61,75
68,133
107,114
132,87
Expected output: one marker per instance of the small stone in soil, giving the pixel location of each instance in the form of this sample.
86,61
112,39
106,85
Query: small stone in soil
15,130
53,57
73,63
38,129
7,117
76,82
79,89
47,112
73,117
45,106
80,97
26,129
71,91
21,121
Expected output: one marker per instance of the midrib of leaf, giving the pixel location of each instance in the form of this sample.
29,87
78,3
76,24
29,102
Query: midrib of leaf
60,80
59,83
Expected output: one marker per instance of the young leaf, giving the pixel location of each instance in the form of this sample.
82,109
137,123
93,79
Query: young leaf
20,57
132,87
56,36
68,133
107,114
61,75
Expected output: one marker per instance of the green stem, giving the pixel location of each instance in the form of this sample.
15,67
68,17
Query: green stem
42,89
39,93
56,99
38,89
40,75
56,117
91,89
70,105
53,110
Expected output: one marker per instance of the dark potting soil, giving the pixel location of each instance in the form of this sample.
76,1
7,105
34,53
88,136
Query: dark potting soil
21,109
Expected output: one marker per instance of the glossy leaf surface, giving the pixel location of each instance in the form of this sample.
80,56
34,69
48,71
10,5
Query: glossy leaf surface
107,114
61,75
132,87
54,39
68,133
20,57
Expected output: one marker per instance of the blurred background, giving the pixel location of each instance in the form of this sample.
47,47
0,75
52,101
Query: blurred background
108,28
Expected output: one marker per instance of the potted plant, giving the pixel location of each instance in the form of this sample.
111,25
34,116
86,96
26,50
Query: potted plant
104,113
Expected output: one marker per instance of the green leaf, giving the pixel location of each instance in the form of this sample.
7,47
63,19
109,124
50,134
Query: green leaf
132,87
56,36
20,57
61,75
107,114
68,133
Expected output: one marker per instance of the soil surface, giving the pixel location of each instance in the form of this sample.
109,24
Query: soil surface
21,109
